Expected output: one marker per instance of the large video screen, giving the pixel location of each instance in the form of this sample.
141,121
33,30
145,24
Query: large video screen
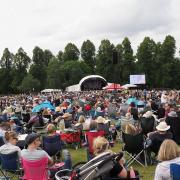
137,79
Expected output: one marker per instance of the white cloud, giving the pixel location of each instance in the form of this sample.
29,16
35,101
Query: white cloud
52,24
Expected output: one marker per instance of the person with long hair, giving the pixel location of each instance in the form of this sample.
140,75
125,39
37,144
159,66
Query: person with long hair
169,153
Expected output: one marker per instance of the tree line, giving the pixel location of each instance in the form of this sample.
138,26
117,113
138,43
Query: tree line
20,73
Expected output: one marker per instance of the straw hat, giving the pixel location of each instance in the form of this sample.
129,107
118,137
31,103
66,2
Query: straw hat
58,109
162,126
148,114
18,109
67,115
100,120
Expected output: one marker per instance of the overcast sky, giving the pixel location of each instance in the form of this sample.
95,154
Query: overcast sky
51,24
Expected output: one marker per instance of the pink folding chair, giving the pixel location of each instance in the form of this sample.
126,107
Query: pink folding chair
36,169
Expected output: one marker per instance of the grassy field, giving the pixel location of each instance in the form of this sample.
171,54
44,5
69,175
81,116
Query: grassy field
146,172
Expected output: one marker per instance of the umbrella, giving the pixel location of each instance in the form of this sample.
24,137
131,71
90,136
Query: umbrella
37,108
45,104
130,100
140,103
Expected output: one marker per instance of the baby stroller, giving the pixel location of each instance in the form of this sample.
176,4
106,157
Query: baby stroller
96,169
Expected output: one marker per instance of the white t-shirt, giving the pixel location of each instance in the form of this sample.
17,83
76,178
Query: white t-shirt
163,169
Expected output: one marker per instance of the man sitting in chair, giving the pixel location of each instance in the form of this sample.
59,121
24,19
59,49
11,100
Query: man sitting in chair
157,137
32,152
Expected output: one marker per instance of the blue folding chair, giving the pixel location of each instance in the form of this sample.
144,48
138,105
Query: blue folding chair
1,141
10,163
52,145
175,171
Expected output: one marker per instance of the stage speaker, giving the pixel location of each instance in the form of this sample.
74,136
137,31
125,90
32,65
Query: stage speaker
115,57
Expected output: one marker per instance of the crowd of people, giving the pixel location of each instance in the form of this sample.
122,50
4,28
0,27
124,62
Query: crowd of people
100,118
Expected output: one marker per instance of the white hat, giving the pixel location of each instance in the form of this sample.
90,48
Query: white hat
172,114
98,109
100,119
162,126
148,114
107,121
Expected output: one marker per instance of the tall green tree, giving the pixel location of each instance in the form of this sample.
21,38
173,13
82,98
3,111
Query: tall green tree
146,56
21,60
47,56
118,68
166,59
6,76
60,56
29,84
55,77
38,56
73,71
128,60
71,52
88,54
7,59
104,64
19,71
38,68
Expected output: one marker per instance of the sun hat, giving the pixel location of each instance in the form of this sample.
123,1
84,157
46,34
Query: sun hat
30,138
58,109
66,115
172,114
98,109
100,120
148,114
162,126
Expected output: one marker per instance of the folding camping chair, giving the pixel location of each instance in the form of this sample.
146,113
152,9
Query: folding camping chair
90,136
1,141
52,145
174,171
147,125
36,170
10,163
134,147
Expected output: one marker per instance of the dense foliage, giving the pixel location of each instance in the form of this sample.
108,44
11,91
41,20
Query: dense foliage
158,61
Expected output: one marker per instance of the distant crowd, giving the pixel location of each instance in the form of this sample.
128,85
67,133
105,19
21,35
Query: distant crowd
107,116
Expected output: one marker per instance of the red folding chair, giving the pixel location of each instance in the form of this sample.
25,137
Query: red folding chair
90,136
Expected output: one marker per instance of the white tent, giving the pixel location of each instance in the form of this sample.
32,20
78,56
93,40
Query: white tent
127,86
51,90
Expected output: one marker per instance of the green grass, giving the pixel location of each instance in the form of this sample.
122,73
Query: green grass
80,156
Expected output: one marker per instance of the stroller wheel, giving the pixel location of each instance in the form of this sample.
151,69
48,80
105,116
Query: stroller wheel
63,174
